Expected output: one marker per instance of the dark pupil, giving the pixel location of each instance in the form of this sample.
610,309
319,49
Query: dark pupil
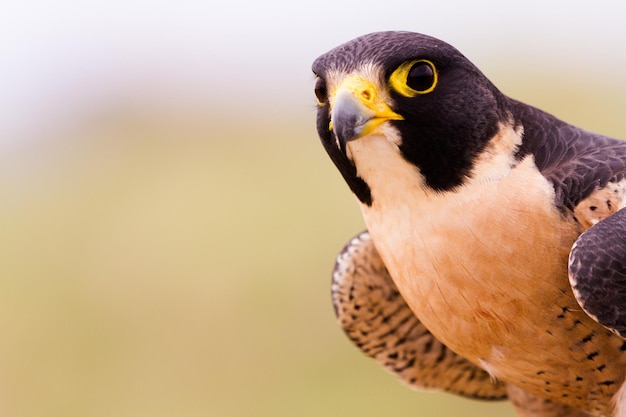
421,77
320,90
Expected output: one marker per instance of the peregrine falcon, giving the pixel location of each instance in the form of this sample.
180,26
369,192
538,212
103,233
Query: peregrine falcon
494,261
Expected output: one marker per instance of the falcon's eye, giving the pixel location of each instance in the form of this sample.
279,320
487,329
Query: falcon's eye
414,77
320,91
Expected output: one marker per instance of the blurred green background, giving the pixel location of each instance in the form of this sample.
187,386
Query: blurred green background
169,221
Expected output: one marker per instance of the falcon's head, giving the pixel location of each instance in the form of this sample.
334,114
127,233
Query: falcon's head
431,105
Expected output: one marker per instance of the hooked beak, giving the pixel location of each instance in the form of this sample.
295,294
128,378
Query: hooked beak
357,110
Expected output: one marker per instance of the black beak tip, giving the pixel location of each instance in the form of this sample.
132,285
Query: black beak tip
344,133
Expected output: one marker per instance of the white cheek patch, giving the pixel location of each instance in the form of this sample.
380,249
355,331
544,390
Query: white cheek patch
380,164
499,156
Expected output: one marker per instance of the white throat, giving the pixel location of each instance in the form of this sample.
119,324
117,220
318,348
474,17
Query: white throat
448,250
380,164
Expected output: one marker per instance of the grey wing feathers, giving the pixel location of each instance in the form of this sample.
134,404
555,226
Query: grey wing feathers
373,314
597,272
577,162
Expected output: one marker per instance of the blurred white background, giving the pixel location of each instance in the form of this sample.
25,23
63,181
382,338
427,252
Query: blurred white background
62,60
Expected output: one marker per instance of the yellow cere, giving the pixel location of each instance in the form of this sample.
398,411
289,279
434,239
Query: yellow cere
361,88
366,92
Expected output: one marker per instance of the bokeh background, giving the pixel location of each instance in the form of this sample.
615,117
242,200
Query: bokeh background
168,220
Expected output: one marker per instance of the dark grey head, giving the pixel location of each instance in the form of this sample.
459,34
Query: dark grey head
442,107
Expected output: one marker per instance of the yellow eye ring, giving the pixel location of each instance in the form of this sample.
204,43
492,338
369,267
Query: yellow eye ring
414,77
